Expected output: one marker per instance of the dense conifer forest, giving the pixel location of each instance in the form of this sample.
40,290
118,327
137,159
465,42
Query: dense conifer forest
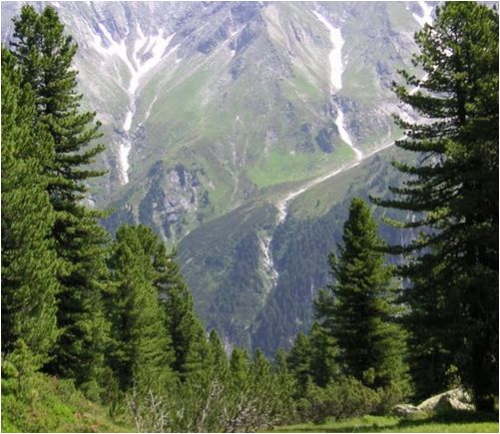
112,318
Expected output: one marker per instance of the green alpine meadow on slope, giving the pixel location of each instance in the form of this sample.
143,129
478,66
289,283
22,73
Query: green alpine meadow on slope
272,262
49,404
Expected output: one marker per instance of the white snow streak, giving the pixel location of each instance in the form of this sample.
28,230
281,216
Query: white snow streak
344,135
335,57
426,18
268,262
282,205
148,111
337,69
152,46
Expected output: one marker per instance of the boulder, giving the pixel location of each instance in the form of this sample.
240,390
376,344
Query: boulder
407,411
456,399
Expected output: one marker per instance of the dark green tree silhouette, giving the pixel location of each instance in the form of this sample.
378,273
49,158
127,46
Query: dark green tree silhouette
44,56
188,336
141,350
361,313
29,260
454,189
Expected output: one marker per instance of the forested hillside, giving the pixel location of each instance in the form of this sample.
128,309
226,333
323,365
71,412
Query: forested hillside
100,330
216,110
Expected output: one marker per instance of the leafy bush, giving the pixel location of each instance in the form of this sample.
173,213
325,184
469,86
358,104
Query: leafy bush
389,397
340,400
241,401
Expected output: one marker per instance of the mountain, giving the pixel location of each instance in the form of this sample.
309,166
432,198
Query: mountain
238,131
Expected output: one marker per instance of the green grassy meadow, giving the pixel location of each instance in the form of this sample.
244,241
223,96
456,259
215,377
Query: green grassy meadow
453,423
47,404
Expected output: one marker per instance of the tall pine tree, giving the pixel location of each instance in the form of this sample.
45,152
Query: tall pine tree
299,363
141,352
185,329
29,260
454,292
44,55
361,313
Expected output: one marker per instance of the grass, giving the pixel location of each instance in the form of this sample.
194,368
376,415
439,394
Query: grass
304,86
456,422
52,405
280,167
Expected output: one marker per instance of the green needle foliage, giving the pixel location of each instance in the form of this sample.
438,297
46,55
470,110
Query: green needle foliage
187,333
361,313
29,260
218,362
454,187
324,355
117,319
141,347
299,364
44,56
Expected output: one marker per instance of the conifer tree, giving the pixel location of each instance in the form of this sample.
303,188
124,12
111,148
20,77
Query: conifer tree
239,366
218,361
299,363
29,260
282,371
361,314
285,383
261,370
185,329
324,354
141,352
44,55
454,292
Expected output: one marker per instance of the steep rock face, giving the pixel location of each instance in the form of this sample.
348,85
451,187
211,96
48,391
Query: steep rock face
214,111
172,195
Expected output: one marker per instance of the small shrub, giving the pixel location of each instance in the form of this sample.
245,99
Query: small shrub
339,400
354,399
389,397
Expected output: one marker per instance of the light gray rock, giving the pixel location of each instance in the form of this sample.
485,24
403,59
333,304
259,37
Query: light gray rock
456,399
407,410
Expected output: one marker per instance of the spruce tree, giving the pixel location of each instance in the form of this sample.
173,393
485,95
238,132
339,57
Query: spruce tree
361,313
29,261
285,383
299,363
218,361
454,292
324,354
140,350
239,366
44,55
185,329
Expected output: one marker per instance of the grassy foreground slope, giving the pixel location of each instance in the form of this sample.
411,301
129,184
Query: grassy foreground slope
46,404
454,423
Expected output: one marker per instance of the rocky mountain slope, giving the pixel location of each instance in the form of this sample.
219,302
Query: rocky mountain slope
223,118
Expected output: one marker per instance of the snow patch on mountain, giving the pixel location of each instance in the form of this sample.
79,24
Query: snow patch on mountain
267,259
426,17
335,57
344,135
336,71
140,56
